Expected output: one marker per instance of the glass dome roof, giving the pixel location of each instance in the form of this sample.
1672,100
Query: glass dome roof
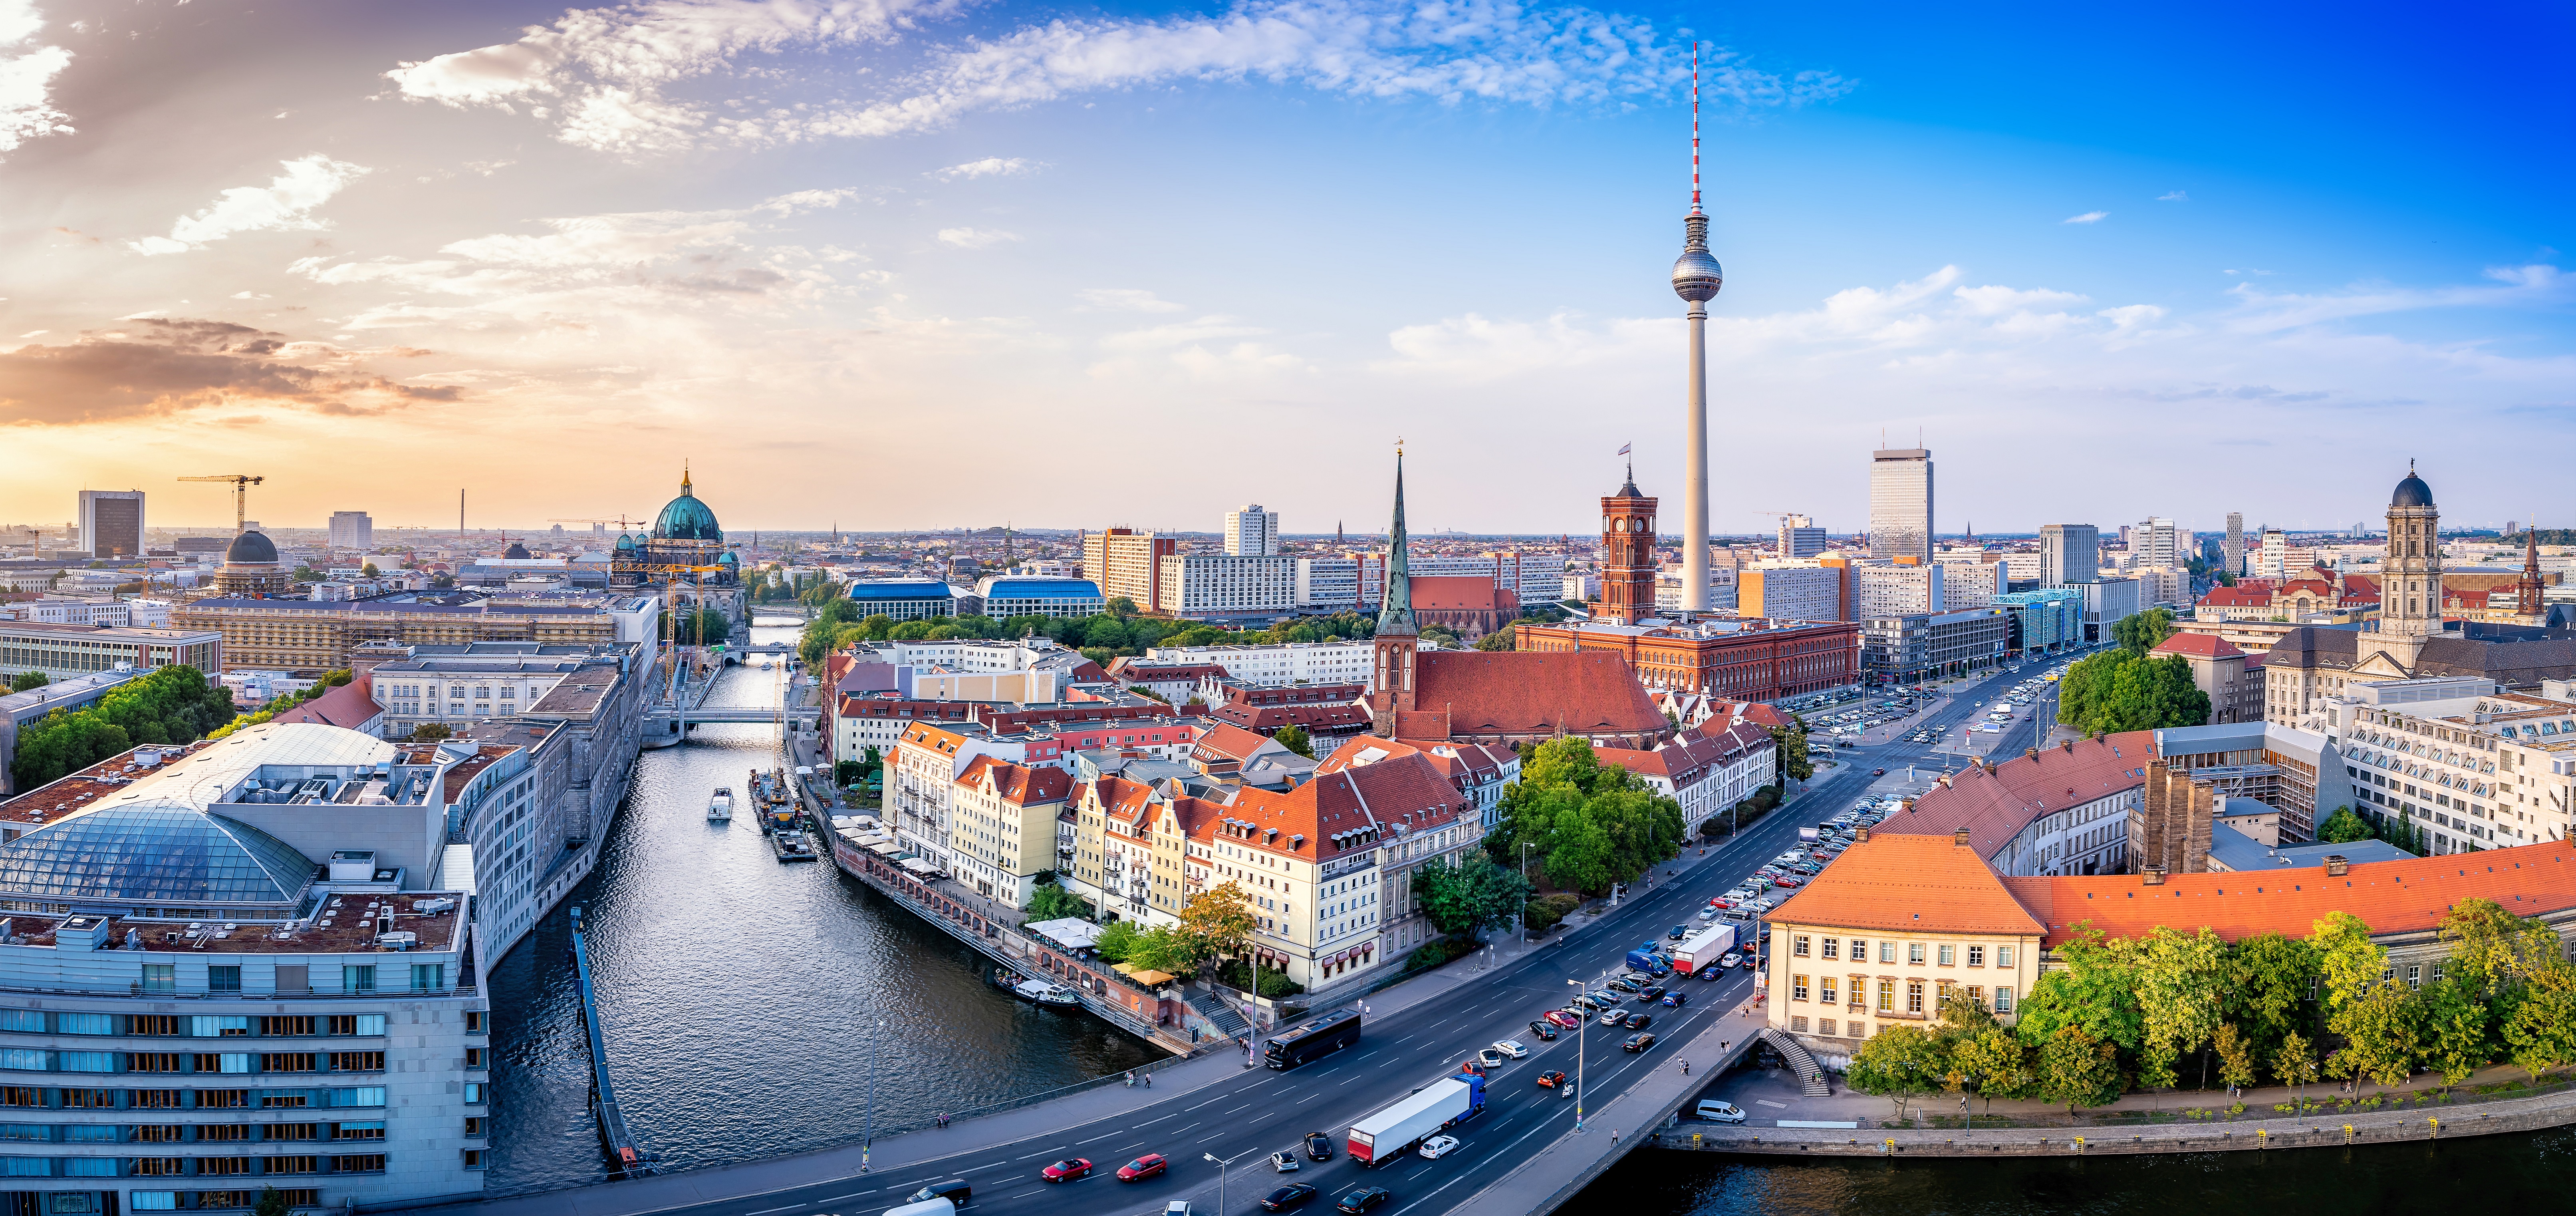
686,518
148,852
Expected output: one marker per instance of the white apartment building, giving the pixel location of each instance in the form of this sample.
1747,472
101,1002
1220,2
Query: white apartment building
2024,567
458,690
355,530
2271,557
1213,584
1790,591
1251,531
1970,584
1357,583
2473,767
1721,588
1285,663
78,610
2155,542
1898,590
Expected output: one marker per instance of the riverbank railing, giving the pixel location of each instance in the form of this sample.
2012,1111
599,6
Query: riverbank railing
626,1159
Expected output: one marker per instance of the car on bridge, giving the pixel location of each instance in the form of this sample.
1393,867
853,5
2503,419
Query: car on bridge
1294,1194
1438,1147
1144,1167
1319,1147
1364,1200
1637,1042
1552,1079
1067,1170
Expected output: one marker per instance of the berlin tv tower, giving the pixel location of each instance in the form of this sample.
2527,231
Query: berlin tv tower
1696,278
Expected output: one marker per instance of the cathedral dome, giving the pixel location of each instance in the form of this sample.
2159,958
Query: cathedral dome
251,548
729,560
515,552
625,543
686,518
2411,492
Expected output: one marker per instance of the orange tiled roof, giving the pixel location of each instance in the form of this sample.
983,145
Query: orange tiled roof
2203,645
1996,804
1921,884
1520,692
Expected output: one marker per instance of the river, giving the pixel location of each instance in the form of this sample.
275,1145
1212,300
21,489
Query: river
2532,1173
744,998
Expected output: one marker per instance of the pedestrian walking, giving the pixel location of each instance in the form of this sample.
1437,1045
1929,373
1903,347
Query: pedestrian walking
1685,1068
1614,1135
1149,1080
1131,1078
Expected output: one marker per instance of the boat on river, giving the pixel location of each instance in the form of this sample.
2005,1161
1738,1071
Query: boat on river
720,807
1040,992
794,846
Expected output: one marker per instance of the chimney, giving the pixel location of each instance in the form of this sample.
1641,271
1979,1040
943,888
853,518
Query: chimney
1945,781
2069,746
2336,865
1959,838
1906,805
2153,876
1860,835
2030,753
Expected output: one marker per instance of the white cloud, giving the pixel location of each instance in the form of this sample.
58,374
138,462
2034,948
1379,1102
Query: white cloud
976,238
603,76
1125,299
27,78
990,166
2089,217
286,202
2175,196
2262,312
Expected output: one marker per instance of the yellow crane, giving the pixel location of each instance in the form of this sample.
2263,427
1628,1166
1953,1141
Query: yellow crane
242,482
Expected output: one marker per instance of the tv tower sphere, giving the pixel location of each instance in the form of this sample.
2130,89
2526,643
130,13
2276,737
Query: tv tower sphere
1696,274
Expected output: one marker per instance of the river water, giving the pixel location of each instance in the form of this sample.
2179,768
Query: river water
743,998
2534,1173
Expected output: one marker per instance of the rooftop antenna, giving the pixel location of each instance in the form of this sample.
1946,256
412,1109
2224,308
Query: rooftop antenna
1694,126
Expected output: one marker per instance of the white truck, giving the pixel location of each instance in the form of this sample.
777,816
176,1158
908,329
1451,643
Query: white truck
1393,1131
1704,948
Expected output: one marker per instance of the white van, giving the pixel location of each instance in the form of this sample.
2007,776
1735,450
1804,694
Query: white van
927,1207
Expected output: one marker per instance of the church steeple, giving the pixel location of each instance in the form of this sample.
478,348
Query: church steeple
1397,614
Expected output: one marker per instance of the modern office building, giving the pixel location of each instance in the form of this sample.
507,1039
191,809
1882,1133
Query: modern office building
2046,619
1900,504
2233,553
245,964
1005,596
2069,554
1915,646
904,599
62,651
111,523
357,530
2271,558
1799,538
2106,602
1794,591
1357,582
1251,532
1128,564
2155,542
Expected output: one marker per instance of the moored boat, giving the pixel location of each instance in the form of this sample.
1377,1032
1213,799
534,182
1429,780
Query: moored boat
720,807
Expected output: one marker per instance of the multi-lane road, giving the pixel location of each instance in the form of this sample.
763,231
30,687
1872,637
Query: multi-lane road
1244,1118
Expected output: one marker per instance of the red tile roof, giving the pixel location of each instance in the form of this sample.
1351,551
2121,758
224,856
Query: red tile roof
1230,741
1476,692
2238,596
2391,896
350,705
1996,804
1016,784
1919,884
1461,592
2202,645
1350,809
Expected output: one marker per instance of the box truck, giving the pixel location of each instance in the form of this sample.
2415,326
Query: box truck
1703,949
1391,1132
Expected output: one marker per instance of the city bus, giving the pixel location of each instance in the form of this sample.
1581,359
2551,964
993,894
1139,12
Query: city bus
1313,1040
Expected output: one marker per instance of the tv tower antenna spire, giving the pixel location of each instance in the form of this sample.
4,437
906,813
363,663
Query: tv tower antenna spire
1694,126
1696,279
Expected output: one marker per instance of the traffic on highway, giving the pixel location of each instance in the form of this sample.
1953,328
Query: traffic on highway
1411,1111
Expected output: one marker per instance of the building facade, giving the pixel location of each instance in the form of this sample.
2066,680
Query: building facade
1214,585
1916,646
353,530
111,523
1251,531
1794,591
313,636
1628,563
1799,538
1900,504
1128,564
2069,554
64,651
1900,590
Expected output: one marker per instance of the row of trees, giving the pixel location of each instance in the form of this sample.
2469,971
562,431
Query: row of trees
269,712
167,705
2170,1007
1103,636
2126,689
1216,924
1587,824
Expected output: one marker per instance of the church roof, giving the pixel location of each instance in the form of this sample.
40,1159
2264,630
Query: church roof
686,518
1519,692
251,547
2411,492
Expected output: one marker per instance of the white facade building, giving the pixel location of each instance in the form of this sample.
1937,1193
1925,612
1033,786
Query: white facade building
1970,584
2069,554
1251,532
1214,584
1898,590
1285,663
355,530
1900,503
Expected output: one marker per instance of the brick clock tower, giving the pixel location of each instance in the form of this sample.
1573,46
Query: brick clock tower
1628,555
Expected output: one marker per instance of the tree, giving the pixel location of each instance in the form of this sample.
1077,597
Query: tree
1052,902
1469,898
2542,1028
430,732
2077,1069
2459,1027
1293,737
2348,962
2383,1034
2125,690
2097,992
1592,824
1218,921
1994,1063
2236,1060
1165,949
2269,977
1121,606
272,1202
2344,827
28,680
1790,743
368,571
1116,941
2181,980
2294,1062
167,705
1897,1063
1500,639
2140,632
442,580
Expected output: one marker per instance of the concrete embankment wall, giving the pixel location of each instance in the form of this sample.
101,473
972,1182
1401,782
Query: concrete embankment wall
2509,1115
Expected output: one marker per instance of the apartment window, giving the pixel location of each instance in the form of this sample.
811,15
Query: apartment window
358,1131
1798,1025
222,1131
1976,956
1831,948
1797,987
152,1061
223,979
1914,996
158,1133
218,1099
153,1099
2003,998
1887,996
1887,952
359,1163
355,979
357,1025
473,1022
474,1125
285,1100
1825,992
19,1095
2414,975
155,1201
427,977
218,1166
2003,956
357,1061
137,1024
294,1165
474,1158
474,1058
1914,953
279,1027
287,1061
1859,950
1949,955
160,978
155,1167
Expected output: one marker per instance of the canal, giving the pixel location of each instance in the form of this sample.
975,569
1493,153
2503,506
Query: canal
747,1000
2493,1173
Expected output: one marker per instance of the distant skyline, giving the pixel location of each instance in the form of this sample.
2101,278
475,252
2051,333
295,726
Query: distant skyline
896,262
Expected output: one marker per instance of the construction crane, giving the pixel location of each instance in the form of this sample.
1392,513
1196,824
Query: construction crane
242,482
622,522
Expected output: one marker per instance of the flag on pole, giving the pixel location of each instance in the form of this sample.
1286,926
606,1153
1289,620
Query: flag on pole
1623,449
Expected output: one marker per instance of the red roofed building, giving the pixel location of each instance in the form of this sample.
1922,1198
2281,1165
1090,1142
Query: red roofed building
1706,769
1327,713
1002,829
1466,605
2218,669
2053,810
351,705
1478,770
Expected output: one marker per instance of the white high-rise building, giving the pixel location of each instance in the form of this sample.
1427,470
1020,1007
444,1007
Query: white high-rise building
2272,559
2069,554
1900,503
357,530
1251,532
2155,543
1800,537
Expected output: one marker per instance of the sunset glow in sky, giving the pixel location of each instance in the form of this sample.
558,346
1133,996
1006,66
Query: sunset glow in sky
927,263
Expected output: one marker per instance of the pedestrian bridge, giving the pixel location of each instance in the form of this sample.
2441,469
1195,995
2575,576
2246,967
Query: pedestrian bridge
748,713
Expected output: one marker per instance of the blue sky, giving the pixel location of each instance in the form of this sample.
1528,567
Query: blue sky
918,263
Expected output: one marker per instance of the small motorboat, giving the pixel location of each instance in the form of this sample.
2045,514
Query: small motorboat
1043,993
794,846
720,807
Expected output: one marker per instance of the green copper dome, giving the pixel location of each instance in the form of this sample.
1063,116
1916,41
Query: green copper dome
686,518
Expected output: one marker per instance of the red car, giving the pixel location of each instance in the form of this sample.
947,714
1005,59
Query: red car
1788,880
1143,1167
1551,1079
1721,904
1067,1170
1562,1018
1878,772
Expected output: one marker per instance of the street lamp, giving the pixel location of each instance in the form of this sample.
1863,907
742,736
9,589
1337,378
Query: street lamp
1221,1163
1525,848
1579,1028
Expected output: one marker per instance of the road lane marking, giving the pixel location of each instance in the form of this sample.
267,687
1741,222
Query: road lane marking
1308,1098
1096,1139
789,1208
1210,1140
1021,1195
856,1194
